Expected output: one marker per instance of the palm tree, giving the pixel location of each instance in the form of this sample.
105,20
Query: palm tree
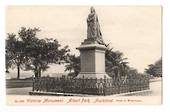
116,66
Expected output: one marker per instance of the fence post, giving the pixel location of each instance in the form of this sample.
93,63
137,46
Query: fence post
83,85
97,87
104,86
33,84
47,82
63,83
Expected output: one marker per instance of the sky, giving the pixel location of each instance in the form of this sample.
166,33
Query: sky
133,30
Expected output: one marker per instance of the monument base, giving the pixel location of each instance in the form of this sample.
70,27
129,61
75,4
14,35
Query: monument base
92,75
92,58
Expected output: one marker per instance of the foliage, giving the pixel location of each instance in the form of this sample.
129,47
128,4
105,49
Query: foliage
116,65
15,56
73,65
155,69
45,52
33,53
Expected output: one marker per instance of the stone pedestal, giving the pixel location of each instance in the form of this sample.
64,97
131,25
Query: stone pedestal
92,58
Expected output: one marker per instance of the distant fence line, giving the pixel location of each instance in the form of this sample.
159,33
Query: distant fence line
90,86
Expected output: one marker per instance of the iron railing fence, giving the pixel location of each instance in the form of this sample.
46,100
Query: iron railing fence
90,86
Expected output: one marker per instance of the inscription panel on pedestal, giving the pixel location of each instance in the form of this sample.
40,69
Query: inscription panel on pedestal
88,61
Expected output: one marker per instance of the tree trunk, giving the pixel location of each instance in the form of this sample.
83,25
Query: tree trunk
18,69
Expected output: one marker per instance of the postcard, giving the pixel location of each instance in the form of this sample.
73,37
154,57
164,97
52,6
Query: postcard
83,55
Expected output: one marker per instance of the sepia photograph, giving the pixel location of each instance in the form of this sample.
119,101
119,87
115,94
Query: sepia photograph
83,55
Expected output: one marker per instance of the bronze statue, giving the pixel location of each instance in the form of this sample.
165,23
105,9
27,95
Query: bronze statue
93,27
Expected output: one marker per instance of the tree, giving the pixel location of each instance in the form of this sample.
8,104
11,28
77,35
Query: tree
33,53
8,54
73,65
45,52
116,66
41,52
155,69
14,53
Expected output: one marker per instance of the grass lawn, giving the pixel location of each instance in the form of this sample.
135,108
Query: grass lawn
18,83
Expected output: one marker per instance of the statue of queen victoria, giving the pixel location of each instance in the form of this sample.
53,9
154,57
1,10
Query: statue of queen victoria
92,50
93,28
